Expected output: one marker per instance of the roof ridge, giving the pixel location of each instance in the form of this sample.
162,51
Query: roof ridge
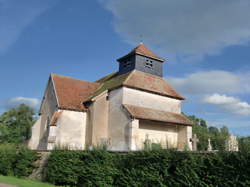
143,50
128,77
68,77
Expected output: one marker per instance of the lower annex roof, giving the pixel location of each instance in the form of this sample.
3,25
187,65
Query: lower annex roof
157,115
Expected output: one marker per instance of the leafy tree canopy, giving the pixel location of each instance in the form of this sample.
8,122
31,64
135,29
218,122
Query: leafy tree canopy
217,136
15,124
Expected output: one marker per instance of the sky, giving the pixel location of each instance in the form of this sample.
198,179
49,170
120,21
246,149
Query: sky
206,44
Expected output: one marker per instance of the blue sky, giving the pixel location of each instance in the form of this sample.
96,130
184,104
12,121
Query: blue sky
206,44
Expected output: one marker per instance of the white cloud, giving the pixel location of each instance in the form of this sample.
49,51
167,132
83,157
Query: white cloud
16,15
16,101
190,28
228,104
208,82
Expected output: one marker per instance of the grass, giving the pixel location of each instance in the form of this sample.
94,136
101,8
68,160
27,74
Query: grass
22,182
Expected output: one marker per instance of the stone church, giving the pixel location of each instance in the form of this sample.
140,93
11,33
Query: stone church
123,110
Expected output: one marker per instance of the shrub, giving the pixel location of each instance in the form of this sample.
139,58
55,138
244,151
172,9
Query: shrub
7,159
16,160
157,167
95,168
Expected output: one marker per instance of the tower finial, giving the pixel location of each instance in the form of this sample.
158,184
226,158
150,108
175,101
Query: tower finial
141,39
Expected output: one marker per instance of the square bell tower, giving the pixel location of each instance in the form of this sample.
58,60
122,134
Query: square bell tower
141,59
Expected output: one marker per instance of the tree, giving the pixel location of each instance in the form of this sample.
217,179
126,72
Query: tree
218,136
15,125
203,135
203,123
244,144
200,129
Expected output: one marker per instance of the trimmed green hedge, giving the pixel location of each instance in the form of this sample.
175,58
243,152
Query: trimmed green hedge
148,168
16,160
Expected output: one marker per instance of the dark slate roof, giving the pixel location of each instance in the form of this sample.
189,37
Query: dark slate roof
157,115
71,92
137,80
144,51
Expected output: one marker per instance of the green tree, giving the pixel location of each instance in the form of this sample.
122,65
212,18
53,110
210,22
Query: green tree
200,129
15,124
218,136
244,144
203,123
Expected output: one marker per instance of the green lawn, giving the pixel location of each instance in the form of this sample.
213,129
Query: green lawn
22,182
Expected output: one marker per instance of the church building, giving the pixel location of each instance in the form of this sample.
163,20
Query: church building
123,111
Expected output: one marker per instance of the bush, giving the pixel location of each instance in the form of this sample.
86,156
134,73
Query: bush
16,160
95,168
148,168
7,159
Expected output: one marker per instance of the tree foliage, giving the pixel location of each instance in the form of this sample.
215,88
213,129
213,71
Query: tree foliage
244,144
15,124
16,160
218,136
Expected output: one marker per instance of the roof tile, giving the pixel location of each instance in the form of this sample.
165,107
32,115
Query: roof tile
157,115
71,92
144,51
137,80
151,83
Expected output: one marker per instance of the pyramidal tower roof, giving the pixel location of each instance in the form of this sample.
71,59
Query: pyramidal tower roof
141,49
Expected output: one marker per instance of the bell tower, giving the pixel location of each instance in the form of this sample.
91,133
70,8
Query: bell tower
141,59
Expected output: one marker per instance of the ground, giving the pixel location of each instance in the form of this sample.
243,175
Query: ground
16,182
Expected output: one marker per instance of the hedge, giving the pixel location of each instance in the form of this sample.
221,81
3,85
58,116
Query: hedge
148,168
16,160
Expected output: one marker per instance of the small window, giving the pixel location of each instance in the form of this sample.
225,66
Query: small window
149,63
127,63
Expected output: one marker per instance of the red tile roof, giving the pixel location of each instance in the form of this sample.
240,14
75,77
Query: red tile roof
157,115
137,80
71,92
151,83
144,51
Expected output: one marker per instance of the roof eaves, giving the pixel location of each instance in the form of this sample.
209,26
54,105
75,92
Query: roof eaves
167,121
153,57
71,109
189,122
138,53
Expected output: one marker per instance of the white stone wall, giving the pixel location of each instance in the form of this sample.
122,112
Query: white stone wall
184,136
98,118
127,134
35,138
71,129
189,136
150,100
52,137
133,132
119,123
48,107
160,133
